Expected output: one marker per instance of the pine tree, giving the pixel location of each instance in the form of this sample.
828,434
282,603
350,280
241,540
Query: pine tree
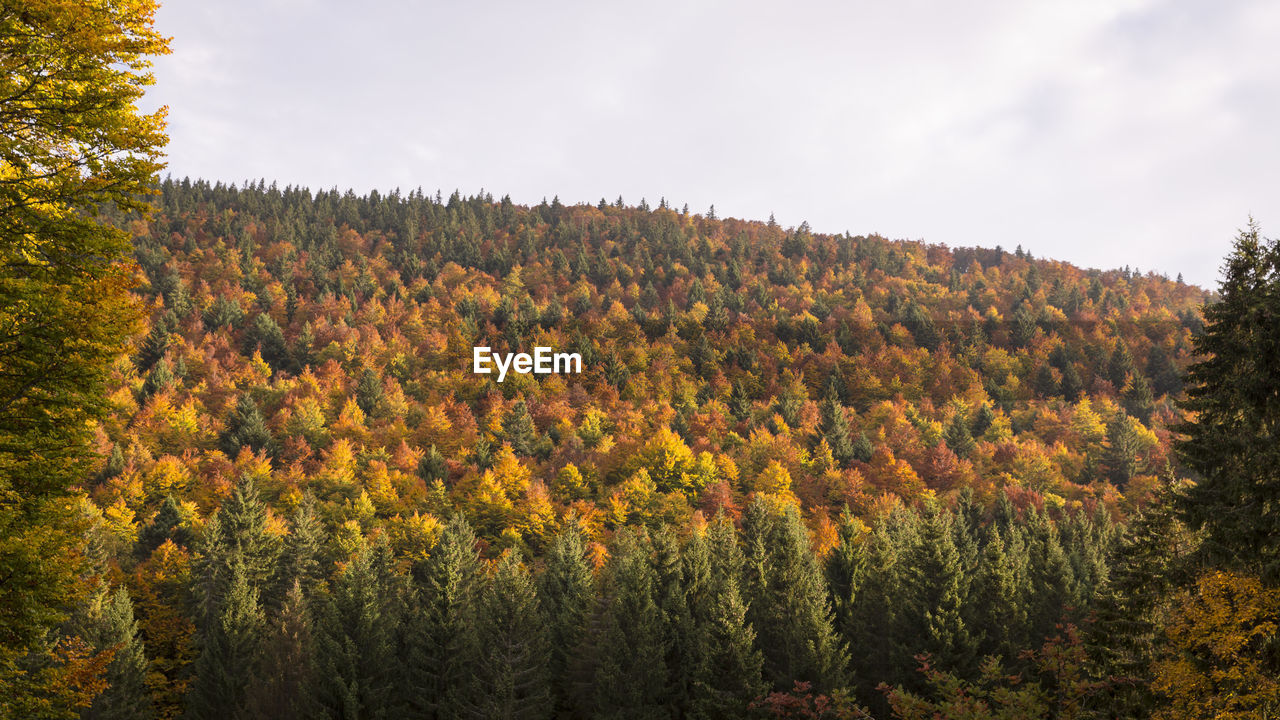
566,595
513,648
630,677
158,380
1137,398
108,624
440,643
369,393
300,560
939,595
1233,445
231,653
518,429
283,690
722,667
356,639
957,436
997,608
788,604
1050,575
247,427
835,430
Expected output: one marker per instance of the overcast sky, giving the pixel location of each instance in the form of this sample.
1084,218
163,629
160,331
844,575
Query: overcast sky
1106,133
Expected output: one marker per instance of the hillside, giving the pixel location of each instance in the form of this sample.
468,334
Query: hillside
789,457
325,342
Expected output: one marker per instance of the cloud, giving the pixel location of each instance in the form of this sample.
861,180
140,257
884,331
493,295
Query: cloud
1101,132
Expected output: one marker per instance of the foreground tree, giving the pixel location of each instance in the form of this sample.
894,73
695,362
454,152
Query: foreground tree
71,140
1234,443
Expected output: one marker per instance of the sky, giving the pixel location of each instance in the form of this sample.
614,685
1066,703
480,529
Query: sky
1101,132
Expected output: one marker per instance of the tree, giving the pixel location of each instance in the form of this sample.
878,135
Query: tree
565,595
630,677
231,655
519,430
71,141
284,688
512,651
721,663
108,624
788,604
441,645
356,638
1233,445
247,427
835,430
369,393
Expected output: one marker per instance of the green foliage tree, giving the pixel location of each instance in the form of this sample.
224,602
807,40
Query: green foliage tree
231,653
108,624
285,687
1232,447
247,427
788,604
512,653
72,141
566,595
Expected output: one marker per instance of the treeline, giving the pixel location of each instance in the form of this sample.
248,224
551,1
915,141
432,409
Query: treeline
709,621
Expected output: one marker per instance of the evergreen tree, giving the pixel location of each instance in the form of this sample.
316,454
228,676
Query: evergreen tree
513,648
265,337
369,393
1051,578
1122,450
300,560
108,624
166,525
1120,365
283,690
630,674
997,608
669,594
566,595
440,643
835,429
957,436
1137,398
788,604
247,427
356,639
159,379
1233,445
721,664
244,522
230,655
432,467
1134,604
518,429
939,594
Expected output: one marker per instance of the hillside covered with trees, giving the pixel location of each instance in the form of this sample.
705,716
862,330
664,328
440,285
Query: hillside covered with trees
791,458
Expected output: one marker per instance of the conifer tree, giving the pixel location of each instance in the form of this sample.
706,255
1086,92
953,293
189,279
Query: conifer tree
1233,445
1050,574
1134,604
244,522
231,653
369,393
283,690
957,436
1120,365
669,593
159,379
721,663
566,596
1122,450
630,677
788,604
518,429
300,560
440,642
247,427
939,594
108,624
166,525
1137,399
997,608
356,639
512,650
835,429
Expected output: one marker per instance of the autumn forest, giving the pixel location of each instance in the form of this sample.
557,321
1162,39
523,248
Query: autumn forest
247,469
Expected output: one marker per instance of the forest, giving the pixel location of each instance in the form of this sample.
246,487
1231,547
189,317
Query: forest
247,470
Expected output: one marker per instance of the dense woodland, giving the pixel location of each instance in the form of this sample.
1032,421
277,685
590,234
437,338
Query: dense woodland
246,470
800,473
